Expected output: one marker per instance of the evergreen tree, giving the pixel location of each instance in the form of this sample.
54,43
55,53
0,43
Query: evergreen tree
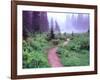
72,33
52,35
57,28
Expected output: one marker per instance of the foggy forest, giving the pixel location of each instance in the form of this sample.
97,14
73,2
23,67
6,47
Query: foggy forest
55,39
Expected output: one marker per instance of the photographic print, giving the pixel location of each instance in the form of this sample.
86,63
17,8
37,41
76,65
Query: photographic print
53,39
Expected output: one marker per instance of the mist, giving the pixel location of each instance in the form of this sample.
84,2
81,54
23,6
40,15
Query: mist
70,22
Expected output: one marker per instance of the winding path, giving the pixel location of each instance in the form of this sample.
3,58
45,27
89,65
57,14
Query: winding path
53,58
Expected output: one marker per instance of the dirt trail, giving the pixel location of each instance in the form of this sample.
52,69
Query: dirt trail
53,58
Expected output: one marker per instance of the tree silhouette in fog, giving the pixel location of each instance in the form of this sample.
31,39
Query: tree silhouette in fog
52,35
80,21
27,23
34,22
57,28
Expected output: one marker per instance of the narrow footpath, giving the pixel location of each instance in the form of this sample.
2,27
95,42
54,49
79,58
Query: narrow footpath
53,58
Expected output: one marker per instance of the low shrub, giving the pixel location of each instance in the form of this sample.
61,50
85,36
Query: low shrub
76,52
34,54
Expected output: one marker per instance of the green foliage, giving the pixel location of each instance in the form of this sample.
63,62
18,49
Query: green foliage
76,52
34,54
34,59
79,42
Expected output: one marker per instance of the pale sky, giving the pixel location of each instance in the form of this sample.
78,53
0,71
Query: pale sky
68,22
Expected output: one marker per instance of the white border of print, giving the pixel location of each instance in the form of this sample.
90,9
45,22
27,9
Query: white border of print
21,71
